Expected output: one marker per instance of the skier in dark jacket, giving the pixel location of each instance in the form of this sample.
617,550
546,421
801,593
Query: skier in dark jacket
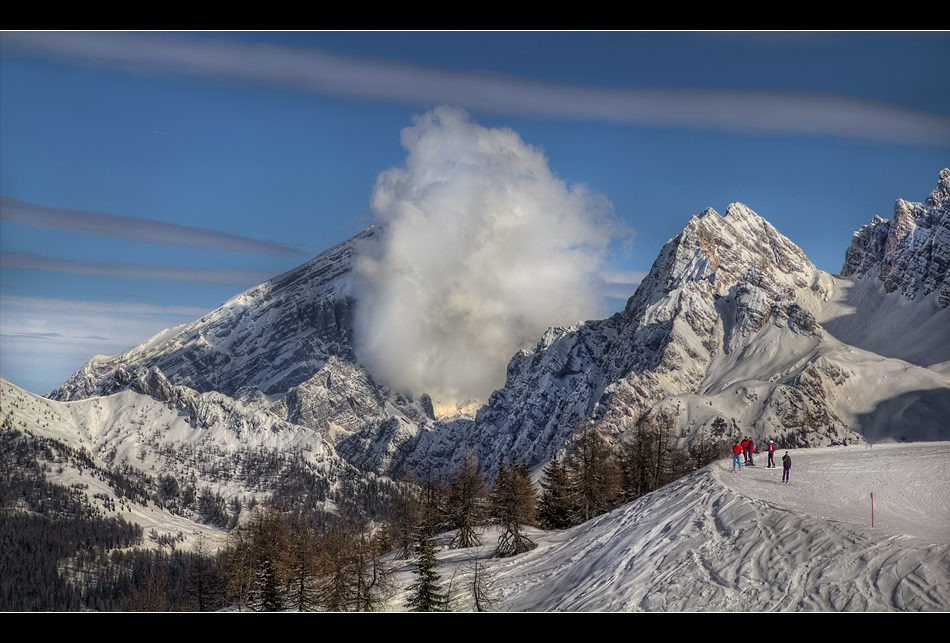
786,466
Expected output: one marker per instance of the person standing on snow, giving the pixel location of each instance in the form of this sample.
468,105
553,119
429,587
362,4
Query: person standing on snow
736,452
751,452
786,466
771,464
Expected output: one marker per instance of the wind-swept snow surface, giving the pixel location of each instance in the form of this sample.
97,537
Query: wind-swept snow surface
719,540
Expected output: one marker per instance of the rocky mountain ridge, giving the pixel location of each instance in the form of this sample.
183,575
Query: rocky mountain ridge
162,454
733,327
910,253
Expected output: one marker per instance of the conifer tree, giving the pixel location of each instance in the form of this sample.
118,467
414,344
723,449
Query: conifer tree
513,506
465,497
426,593
404,514
649,457
373,579
555,506
304,564
595,476
204,578
481,583
268,591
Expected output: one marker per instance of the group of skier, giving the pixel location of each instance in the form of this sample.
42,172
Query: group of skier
746,448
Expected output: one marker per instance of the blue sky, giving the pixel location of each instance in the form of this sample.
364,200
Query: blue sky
148,177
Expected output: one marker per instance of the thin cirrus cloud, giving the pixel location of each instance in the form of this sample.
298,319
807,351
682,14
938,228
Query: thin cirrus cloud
135,228
752,111
220,276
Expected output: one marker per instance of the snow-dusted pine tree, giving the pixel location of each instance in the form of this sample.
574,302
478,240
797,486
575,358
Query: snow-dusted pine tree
426,593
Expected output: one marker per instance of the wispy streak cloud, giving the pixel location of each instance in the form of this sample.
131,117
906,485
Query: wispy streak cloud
792,112
219,276
135,228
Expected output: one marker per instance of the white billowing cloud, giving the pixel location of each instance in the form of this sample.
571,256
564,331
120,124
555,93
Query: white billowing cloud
481,249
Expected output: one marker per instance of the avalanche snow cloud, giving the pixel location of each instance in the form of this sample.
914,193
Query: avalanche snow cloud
481,249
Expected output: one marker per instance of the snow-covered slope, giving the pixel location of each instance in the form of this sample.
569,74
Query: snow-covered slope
896,299
744,542
169,458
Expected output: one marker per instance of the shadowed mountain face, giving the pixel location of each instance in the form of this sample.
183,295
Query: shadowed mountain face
733,323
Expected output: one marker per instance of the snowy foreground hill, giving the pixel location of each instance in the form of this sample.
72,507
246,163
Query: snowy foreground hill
745,542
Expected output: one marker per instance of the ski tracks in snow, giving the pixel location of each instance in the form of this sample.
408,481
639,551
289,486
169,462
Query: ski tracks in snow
718,541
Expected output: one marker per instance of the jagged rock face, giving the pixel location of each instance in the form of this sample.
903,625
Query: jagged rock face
342,397
721,251
910,253
290,337
271,337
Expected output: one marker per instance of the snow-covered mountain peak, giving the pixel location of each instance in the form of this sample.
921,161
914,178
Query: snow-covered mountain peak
273,336
729,325
733,323
716,253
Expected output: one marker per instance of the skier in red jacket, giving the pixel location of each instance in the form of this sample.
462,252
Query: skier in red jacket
736,452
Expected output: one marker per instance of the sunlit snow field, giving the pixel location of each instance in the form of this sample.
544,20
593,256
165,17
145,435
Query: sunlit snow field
724,541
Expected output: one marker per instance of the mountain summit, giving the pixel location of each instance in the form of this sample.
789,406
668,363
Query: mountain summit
269,338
